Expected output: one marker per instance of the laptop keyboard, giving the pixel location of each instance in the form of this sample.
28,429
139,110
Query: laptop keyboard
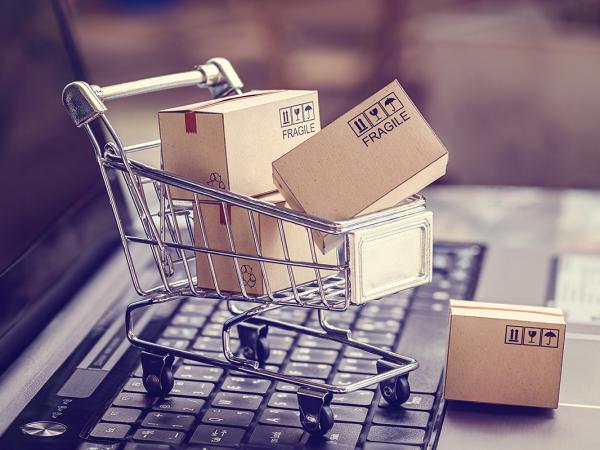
214,408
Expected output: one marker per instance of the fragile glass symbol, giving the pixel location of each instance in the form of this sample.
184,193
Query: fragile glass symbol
375,113
297,112
532,334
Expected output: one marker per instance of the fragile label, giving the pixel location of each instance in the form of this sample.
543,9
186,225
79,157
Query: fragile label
297,120
531,336
379,119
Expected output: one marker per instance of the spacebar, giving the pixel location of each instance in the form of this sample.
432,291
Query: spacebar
424,337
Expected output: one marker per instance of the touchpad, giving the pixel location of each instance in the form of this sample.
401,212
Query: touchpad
573,425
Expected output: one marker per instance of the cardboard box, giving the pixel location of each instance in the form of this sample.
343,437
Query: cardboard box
270,246
230,143
504,354
371,158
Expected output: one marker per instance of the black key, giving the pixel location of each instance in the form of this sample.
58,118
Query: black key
280,342
239,373
384,446
424,338
398,300
383,312
135,385
428,305
97,446
197,308
320,371
276,331
283,417
351,365
217,435
270,436
276,357
351,352
144,446
110,431
401,417
314,355
169,421
230,417
356,398
313,342
211,344
188,320
198,373
121,415
346,379
295,315
237,401
290,387
376,339
396,435
341,434
174,332
179,405
180,344
283,400
377,325
345,413
160,436
197,389
216,330
417,402
243,384
133,400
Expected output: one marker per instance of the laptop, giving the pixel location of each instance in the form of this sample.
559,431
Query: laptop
71,380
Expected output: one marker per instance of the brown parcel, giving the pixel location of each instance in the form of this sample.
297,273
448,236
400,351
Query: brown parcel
504,354
230,143
371,158
270,245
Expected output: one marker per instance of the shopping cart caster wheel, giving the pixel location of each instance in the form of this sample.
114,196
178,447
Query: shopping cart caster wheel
396,390
316,416
157,373
253,342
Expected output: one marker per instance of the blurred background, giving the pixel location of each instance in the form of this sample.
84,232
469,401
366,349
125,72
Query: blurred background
511,87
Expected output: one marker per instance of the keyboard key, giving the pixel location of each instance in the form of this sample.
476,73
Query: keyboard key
376,339
276,357
280,342
351,352
271,436
188,320
396,435
217,435
208,343
174,332
180,344
145,446
283,400
159,436
345,379
197,308
134,385
345,413
314,355
110,431
382,312
424,338
237,401
179,405
313,342
356,398
283,417
198,373
169,421
418,402
133,400
401,417
352,365
320,371
187,388
121,415
378,325
341,434
97,446
243,384
228,417
290,387
216,330
384,446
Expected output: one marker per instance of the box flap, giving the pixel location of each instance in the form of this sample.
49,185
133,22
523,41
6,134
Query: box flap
524,313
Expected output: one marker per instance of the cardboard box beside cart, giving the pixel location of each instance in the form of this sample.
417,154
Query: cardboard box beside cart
230,143
504,354
371,158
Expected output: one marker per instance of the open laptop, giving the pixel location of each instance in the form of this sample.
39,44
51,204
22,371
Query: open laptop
71,380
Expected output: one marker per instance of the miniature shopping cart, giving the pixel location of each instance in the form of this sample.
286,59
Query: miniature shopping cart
378,254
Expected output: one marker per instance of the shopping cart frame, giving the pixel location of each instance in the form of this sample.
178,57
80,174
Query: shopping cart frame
162,234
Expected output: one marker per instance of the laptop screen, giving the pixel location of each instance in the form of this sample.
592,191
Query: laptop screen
52,198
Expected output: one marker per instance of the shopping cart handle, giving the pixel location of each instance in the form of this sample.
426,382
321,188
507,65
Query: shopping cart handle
85,102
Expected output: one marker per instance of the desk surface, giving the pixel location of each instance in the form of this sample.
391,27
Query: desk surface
563,220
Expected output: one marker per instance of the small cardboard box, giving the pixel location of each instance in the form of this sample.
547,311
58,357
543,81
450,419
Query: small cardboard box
371,158
270,245
504,354
230,143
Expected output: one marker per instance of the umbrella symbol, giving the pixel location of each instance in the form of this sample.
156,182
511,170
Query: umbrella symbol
550,335
389,101
308,109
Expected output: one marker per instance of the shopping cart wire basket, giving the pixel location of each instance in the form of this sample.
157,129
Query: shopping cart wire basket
174,232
